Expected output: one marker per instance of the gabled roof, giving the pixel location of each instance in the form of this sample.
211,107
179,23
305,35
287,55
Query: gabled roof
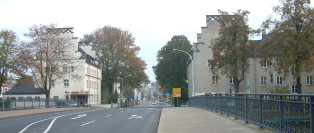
24,89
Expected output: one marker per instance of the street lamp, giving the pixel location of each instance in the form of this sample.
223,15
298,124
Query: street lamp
191,58
122,85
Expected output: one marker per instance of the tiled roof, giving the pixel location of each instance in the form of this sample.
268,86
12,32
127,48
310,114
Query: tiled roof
24,89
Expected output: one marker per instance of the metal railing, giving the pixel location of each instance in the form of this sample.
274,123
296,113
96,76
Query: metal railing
282,113
31,103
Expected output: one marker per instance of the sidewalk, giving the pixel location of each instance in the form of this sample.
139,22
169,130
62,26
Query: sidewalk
196,120
26,112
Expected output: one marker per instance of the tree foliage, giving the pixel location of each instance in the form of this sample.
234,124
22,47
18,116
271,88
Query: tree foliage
171,69
45,54
8,44
117,53
231,50
291,39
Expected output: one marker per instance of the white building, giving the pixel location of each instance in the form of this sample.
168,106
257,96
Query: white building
260,78
82,76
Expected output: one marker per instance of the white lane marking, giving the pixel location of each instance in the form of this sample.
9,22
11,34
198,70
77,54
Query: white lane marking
135,116
79,116
138,117
50,125
88,123
108,115
132,116
24,129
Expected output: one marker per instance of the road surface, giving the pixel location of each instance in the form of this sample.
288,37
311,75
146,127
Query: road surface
143,119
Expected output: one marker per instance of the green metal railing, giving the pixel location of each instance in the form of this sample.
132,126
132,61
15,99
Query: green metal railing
282,113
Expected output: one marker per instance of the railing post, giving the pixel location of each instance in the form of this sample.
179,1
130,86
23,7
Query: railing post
281,114
221,103
311,115
24,103
236,107
2,104
39,102
260,111
227,104
246,109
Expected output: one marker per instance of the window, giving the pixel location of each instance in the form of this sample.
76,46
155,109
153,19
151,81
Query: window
55,97
271,78
66,83
65,69
292,71
215,80
277,63
217,65
263,81
72,68
279,80
263,63
37,98
209,64
52,83
309,80
231,80
293,88
61,54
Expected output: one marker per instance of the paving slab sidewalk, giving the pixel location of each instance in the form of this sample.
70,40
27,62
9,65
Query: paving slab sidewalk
26,112
196,120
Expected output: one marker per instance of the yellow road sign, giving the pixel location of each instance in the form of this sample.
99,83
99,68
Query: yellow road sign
176,92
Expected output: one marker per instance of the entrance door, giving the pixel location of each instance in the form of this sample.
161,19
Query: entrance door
80,100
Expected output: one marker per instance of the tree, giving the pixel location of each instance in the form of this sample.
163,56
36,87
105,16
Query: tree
117,53
171,69
8,43
46,54
291,39
231,50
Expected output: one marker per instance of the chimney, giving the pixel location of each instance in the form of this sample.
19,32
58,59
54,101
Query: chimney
263,34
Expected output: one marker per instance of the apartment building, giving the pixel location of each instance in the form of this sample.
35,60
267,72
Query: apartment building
260,78
81,80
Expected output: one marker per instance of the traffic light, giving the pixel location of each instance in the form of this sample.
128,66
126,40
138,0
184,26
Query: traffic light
159,87
168,97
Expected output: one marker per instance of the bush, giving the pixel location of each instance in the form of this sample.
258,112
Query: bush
112,98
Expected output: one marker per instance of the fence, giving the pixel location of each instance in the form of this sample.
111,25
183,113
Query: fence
31,103
282,113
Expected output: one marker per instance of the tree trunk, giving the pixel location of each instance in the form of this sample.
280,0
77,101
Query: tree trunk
299,85
236,84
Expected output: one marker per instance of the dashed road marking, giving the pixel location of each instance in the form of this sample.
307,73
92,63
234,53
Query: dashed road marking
79,116
108,115
88,123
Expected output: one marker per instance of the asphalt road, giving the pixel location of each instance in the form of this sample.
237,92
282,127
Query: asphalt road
142,119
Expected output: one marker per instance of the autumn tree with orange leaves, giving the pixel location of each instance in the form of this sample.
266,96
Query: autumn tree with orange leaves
291,39
231,50
117,53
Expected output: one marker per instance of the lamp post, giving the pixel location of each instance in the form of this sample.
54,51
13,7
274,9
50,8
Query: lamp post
191,58
123,86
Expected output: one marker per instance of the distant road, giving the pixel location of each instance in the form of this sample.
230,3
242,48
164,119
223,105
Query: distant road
142,119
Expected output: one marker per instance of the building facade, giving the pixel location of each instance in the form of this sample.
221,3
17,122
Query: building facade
260,78
81,80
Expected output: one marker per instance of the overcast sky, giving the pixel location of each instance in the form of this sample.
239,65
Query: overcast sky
151,22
